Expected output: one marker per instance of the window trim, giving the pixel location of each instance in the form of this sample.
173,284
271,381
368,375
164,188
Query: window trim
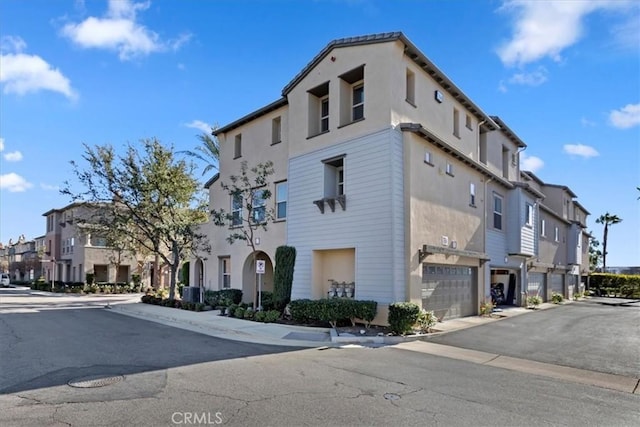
223,273
556,234
239,210
354,87
472,194
529,214
278,202
543,227
500,213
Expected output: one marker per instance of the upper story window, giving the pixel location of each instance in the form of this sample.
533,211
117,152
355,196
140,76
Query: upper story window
324,114
505,162
237,146
543,228
468,122
334,177
456,122
352,96
449,169
358,102
98,240
319,109
281,200
482,149
497,212
236,210
472,194
258,207
529,215
411,87
556,234
276,130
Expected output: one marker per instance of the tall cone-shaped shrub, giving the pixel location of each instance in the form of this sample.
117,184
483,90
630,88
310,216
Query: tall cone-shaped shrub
283,276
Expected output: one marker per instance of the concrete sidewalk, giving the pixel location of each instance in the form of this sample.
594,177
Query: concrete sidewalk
211,323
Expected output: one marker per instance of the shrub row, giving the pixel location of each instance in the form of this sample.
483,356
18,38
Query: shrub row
244,312
223,297
333,310
154,300
80,287
626,285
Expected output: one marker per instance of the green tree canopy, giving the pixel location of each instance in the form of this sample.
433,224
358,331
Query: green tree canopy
149,201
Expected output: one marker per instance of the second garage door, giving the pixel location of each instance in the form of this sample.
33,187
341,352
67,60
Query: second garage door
535,285
556,284
450,291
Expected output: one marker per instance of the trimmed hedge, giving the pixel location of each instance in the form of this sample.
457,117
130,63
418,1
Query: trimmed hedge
402,317
625,285
283,276
332,310
223,297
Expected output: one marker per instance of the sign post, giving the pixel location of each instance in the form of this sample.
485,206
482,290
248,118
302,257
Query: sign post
260,270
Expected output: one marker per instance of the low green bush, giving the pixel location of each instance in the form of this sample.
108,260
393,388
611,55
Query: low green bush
426,321
271,316
333,310
556,298
260,316
239,312
223,297
402,317
534,301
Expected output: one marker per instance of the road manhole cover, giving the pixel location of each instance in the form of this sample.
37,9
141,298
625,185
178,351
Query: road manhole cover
391,396
95,381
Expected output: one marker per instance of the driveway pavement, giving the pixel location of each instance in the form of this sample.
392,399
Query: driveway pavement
586,335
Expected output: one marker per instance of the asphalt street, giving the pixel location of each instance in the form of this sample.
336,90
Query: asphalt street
595,337
68,365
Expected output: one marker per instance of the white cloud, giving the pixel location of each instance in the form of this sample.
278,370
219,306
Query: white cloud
626,117
530,163
21,73
535,78
200,125
119,31
49,187
14,156
580,150
545,28
14,183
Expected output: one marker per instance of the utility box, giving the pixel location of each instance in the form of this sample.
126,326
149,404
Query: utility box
191,294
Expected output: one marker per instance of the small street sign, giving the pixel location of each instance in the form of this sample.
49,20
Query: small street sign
260,266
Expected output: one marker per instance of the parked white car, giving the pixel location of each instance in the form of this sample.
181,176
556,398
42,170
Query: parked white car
5,280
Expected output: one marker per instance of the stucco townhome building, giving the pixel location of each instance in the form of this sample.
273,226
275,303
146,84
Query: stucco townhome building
75,246
386,175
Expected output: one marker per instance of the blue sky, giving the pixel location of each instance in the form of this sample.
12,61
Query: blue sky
565,76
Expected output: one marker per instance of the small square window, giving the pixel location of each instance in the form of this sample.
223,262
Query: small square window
428,158
449,169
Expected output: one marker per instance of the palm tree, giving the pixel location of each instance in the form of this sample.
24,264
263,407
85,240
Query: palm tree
606,219
208,151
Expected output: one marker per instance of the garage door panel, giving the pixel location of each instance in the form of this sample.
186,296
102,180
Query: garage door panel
449,291
536,285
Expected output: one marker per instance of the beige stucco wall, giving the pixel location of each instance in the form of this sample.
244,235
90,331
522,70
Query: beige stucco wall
438,205
257,148
377,60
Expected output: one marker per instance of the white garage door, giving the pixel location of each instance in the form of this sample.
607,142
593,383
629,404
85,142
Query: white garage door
536,286
450,291
557,285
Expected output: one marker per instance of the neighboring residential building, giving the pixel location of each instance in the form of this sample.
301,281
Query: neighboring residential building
74,246
21,259
389,176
